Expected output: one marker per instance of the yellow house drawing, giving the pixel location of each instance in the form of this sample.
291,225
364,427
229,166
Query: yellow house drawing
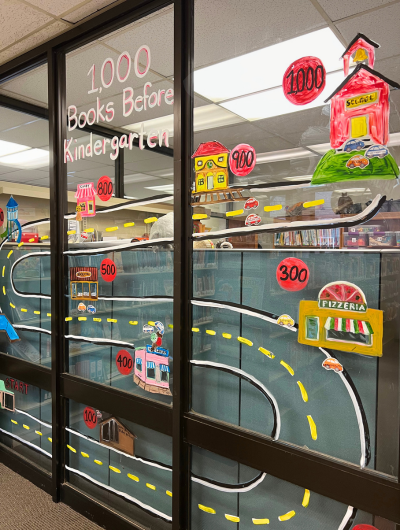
211,167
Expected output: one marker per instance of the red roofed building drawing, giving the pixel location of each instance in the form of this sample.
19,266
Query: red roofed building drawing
211,167
86,199
359,123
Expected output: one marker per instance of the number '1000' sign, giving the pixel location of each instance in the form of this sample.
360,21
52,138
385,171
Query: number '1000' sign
304,80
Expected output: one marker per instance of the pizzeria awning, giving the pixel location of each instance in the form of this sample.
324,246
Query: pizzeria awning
349,325
164,368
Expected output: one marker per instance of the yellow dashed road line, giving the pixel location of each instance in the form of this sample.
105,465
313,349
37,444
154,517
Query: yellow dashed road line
98,462
23,310
39,433
96,319
133,477
112,320
206,509
287,516
4,290
245,341
9,254
273,208
211,332
227,335
150,220
198,216
150,486
169,493
234,212
71,448
288,367
232,518
260,521
68,319
111,228
37,312
4,268
132,322
313,427
12,305
310,204
15,422
306,498
25,427
85,455
126,225
115,469
303,391
82,319
195,330
266,352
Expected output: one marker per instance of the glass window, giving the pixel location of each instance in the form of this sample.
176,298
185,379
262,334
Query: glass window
121,176
296,271
25,289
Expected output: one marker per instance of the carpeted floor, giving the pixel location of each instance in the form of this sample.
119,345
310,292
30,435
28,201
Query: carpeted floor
23,506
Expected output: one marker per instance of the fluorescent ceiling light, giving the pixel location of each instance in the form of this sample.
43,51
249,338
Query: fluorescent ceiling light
205,117
263,69
128,197
138,177
284,154
274,103
30,159
320,148
8,148
167,188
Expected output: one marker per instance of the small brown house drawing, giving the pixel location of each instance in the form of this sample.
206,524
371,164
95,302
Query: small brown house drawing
114,434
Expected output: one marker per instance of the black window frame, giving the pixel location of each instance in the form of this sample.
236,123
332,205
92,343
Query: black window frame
363,489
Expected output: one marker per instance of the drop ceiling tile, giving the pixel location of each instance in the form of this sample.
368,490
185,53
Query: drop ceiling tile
229,28
147,166
86,10
56,7
139,155
343,8
17,20
380,26
158,33
11,118
30,42
31,86
24,176
90,175
34,134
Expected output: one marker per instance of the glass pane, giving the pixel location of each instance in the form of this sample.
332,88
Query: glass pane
295,197
25,420
25,219
121,464
120,282
225,492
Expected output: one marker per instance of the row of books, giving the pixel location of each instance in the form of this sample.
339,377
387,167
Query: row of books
329,237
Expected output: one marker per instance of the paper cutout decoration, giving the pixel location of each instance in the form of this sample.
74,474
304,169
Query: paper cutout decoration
108,270
86,199
332,364
84,283
304,80
1,217
242,160
104,188
7,328
124,362
113,433
253,220
212,176
152,363
292,274
91,309
7,398
359,121
251,203
365,527
286,321
13,225
340,319
90,417
81,307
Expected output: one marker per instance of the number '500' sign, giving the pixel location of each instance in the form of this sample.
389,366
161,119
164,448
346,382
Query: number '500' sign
108,270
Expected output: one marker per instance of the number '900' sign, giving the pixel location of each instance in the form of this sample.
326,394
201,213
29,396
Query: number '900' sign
242,160
304,80
108,270
124,362
292,274
90,417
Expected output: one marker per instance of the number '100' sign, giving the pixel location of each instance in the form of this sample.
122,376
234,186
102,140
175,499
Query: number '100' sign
304,80
90,417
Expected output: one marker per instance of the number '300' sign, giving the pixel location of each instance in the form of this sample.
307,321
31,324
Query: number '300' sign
108,270
292,274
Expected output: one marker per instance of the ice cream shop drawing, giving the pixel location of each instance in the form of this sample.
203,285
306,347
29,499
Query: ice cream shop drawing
86,199
152,363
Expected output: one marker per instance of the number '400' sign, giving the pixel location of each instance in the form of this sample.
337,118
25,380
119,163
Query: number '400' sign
304,80
292,274
108,270
124,362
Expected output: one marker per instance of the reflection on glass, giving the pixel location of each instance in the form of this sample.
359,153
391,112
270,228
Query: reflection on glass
295,207
121,464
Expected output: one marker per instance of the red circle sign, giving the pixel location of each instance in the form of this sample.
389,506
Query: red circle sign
1,216
124,362
104,188
304,80
108,270
292,274
364,527
90,417
242,160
